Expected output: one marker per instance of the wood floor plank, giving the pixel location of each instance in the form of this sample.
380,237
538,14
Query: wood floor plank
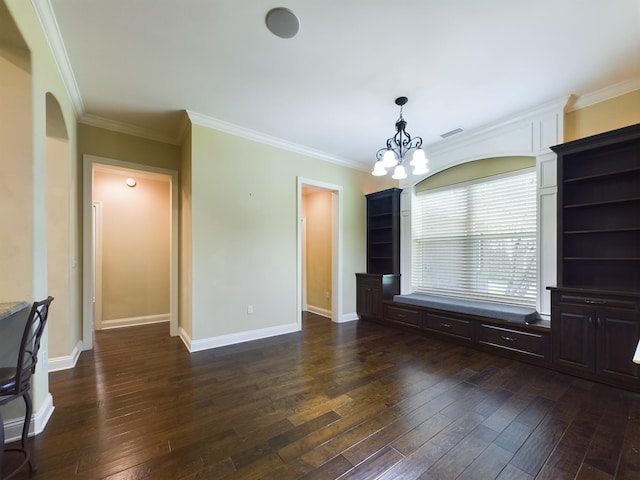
488,464
462,454
375,465
513,473
603,453
570,451
629,465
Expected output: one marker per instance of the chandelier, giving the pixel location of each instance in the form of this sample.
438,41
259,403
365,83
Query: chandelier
393,155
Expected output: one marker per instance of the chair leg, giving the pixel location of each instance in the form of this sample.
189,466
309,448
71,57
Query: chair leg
25,430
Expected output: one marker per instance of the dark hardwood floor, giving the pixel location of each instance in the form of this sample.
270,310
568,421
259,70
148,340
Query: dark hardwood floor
350,401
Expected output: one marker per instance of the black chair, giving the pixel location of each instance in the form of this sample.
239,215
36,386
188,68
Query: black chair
15,382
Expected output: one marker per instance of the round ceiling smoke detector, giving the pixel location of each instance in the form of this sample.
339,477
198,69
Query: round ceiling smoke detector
282,22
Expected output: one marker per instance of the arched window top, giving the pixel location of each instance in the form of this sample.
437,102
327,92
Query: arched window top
486,167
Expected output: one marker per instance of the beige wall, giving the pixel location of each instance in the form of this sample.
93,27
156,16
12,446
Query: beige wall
127,148
318,215
16,173
135,244
244,231
58,246
611,114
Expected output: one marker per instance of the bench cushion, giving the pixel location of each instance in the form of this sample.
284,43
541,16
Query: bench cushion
500,311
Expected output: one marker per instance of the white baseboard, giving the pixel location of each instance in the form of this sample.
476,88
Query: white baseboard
65,362
319,311
134,321
232,339
39,420
349,317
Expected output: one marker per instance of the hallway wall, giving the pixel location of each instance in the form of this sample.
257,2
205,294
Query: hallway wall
135,244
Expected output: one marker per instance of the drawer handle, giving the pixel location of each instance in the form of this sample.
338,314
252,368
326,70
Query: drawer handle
508,339
445,325
595,302
401,315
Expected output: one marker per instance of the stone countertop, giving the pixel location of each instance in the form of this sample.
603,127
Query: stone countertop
9,308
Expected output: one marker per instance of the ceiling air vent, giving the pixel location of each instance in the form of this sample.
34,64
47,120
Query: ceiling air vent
452,132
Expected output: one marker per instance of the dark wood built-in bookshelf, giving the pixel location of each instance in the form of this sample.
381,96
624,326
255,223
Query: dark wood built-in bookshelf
596,305
382,279
383,231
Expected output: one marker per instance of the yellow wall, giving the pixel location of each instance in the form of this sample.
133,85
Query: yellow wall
16,174
317,211
611,114
244,231
475,170
58,246
127,148
135,244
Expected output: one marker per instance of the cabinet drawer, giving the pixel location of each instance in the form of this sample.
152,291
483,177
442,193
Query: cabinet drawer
529,343
598,301
402,315
455,327
369,280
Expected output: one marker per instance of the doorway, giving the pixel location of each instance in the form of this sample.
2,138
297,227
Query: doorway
319,248
130,286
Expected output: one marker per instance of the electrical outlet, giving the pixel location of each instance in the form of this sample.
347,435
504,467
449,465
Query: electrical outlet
249,309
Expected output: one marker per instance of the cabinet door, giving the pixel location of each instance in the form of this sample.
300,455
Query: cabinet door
573,338
617,336
369,299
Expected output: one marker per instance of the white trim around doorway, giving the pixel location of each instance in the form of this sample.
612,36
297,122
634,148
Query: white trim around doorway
336,247
89,161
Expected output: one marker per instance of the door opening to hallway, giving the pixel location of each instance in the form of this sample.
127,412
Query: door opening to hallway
132,247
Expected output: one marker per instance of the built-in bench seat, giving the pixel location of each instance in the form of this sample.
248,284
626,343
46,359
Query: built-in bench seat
513,330
480,308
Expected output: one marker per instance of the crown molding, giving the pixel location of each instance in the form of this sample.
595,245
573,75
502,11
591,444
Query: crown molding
603,94
47,19
497,127
226,127
101,122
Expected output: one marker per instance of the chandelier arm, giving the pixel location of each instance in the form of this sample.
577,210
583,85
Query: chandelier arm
381,153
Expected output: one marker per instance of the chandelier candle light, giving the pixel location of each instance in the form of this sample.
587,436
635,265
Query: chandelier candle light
397,147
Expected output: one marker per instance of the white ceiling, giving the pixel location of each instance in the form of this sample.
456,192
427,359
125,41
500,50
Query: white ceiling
462,63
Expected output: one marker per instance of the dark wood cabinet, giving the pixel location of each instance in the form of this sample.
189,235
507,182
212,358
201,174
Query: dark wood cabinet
596,335
595,317
371,290
382,280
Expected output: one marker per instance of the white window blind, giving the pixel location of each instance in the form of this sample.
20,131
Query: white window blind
477,239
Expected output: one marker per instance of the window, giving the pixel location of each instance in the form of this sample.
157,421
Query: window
477,239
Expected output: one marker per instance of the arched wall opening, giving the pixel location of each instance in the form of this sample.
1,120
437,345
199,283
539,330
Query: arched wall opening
60,199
